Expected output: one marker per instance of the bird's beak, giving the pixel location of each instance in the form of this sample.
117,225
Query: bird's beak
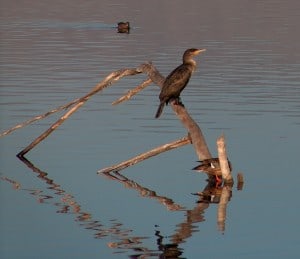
200,50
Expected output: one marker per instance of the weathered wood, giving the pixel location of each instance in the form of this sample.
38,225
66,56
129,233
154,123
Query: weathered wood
146,155
194,130
240,181
133,92
38,117
50,130
223,160
112,77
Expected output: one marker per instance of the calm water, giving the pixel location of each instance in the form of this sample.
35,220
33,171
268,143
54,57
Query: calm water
247,86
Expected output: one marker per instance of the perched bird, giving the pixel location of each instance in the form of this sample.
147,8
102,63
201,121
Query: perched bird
178,79
212,167
123,27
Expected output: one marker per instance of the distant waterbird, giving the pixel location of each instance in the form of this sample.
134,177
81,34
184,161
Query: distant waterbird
123,27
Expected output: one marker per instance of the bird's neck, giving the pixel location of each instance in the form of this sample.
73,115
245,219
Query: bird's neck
191,63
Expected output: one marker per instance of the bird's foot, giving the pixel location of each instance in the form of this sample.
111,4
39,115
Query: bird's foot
177,101
218,180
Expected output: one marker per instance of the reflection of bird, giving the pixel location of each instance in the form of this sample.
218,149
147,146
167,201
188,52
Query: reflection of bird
178,79
212,167
123,27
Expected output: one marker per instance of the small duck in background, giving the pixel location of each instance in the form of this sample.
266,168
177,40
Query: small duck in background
123,27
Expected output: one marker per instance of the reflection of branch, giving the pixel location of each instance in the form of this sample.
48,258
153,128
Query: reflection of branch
144,192
225,196
68,204
16,185
219,195
187,228
141,157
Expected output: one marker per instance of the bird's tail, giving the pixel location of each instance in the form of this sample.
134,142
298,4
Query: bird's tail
160,109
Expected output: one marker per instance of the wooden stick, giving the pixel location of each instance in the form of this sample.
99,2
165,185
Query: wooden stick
181,142
194,130
133,92
195,133
38,117
223,160
240,180
114,76
50,130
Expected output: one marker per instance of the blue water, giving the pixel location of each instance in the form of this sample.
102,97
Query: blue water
246,86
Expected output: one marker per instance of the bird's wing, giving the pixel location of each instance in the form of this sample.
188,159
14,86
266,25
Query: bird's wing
176,81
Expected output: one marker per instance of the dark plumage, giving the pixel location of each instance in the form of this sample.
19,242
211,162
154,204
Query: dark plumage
178,79
123,27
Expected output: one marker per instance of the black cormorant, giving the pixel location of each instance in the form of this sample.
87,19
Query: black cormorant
177,79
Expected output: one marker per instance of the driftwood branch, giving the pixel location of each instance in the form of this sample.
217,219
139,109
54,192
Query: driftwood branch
50,130
195,135
112,77
133,92
146,155
194,130
38,117
223,160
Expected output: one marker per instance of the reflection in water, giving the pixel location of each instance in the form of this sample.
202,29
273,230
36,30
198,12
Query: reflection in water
123,240
212,193
144,192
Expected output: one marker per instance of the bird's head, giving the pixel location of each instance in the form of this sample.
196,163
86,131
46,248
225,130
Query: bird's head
190,53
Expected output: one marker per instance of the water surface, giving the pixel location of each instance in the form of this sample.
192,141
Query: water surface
247,86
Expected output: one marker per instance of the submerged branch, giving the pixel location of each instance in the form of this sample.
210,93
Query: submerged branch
178,143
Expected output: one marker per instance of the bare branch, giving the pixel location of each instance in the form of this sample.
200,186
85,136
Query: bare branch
181,142
38,117
133,92
112,77
223,160
194,130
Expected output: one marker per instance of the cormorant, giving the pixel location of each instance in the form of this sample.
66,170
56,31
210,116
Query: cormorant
178,79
